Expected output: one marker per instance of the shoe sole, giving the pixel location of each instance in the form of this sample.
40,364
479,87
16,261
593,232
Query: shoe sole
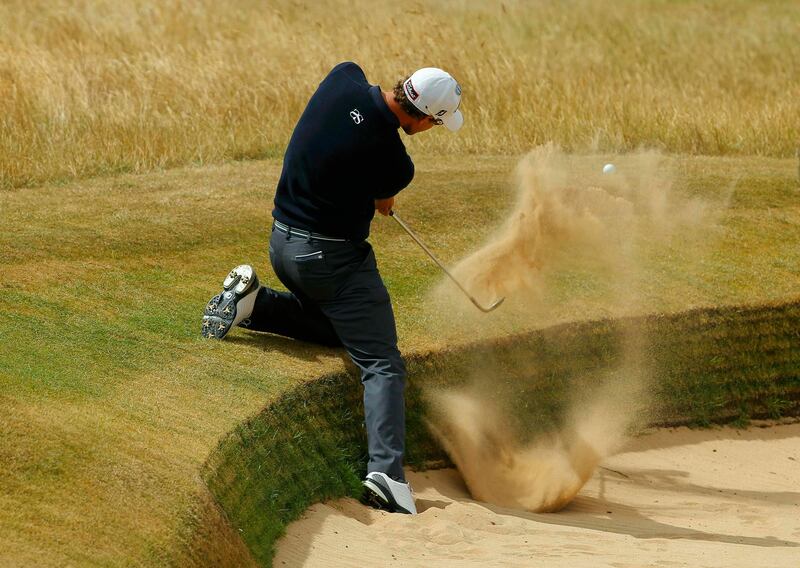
226,310
372,497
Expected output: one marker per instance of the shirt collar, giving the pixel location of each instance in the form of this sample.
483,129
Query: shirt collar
383,108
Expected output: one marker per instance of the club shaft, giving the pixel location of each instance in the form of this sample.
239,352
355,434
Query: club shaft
436,260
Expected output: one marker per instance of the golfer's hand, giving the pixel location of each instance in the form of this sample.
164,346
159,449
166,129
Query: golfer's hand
384,206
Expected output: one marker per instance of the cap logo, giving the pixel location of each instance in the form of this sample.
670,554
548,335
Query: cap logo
442,112
458,90
412,94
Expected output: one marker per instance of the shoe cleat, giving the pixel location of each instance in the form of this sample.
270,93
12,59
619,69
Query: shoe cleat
211,307
232,277
242,285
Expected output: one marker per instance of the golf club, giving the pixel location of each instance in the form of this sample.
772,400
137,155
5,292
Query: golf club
493,306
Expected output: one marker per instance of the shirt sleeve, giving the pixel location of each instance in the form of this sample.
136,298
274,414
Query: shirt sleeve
399,173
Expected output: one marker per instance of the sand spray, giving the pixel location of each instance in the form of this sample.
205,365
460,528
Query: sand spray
560,219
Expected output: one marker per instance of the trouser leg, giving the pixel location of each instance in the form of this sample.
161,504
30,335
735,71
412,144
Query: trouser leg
284,313
343,281
364,321
362,316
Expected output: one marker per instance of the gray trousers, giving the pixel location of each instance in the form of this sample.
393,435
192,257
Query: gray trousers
336,297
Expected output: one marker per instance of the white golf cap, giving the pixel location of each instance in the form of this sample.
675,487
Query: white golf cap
437,94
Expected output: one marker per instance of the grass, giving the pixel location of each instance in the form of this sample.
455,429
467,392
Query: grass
110,403
107,87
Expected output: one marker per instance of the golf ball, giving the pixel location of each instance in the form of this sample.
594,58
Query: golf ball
609,169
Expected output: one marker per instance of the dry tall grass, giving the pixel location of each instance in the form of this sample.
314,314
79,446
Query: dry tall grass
102,86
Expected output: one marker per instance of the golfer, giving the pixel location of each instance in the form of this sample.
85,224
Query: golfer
345,161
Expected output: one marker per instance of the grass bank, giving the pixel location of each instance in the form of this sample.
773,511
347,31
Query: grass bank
110,403
112,86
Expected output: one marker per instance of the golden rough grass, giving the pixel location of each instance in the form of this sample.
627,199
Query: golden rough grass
109,86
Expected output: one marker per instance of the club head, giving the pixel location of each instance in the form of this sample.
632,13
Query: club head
494,306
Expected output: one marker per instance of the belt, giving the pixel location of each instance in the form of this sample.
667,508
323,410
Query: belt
291,231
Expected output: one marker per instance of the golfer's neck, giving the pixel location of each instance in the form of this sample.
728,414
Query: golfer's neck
396,109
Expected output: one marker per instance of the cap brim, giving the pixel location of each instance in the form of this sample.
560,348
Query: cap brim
454,121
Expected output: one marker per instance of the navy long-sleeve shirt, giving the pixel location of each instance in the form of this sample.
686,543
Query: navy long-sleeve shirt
344,153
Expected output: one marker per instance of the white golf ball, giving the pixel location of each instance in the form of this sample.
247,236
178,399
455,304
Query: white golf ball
609,169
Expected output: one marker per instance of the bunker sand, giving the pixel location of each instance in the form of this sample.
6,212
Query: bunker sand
675,497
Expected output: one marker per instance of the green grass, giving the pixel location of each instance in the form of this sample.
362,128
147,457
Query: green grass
110,403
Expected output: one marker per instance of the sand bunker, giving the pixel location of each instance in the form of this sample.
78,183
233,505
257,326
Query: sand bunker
678,497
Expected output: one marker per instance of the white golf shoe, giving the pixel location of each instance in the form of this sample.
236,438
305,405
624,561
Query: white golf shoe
233,305
384,492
